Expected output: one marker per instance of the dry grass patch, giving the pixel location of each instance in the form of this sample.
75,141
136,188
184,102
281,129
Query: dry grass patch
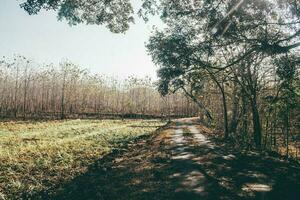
37,155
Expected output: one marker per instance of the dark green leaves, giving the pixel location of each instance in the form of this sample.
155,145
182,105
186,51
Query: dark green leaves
116,15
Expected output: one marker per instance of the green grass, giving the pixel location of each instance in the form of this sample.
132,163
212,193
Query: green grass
38,155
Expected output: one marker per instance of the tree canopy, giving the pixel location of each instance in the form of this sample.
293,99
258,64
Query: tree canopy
116,15
225,43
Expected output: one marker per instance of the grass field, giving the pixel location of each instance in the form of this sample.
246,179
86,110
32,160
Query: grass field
35,156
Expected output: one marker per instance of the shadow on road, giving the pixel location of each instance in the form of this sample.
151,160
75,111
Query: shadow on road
183,163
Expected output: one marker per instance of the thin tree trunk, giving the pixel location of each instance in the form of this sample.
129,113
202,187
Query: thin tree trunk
25,94
286,130
62,112
206,112
226,132
225,114
235,111
16,94
256,123
266,132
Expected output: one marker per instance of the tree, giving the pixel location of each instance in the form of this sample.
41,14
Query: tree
221,37
179,72
288,98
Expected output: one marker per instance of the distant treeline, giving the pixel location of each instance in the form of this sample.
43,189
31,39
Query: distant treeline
30,90
38,91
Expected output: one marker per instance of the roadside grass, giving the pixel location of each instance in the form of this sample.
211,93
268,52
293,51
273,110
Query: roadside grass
35,156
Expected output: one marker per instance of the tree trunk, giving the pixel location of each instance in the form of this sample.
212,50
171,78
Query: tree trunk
266,132
286,130
62,112
25,93
16,94
225,114
235,111
199,104
245,116
256,123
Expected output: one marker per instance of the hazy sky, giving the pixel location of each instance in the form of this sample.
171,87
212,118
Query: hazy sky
44,39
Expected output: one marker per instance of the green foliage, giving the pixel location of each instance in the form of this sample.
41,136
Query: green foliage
218,36
226,43
115,14
289,98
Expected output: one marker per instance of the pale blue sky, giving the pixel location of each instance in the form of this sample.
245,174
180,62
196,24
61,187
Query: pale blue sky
44,39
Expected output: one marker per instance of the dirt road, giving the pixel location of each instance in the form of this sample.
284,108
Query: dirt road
184,161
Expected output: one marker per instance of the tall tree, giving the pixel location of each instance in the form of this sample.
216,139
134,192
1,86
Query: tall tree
214,37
